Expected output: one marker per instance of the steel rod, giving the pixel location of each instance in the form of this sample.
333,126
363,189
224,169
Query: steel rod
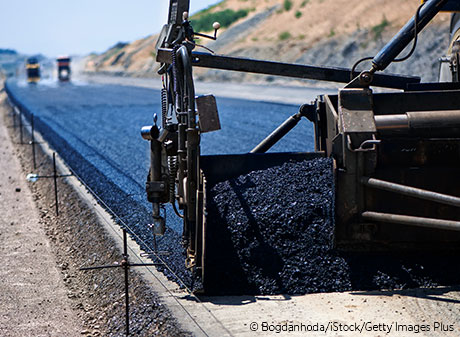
418,120
391,122
14,118
331,74
20,127
33,142
277,134
411,191
126,266
58,176
55,183
145,264
101,267
412,221
119,266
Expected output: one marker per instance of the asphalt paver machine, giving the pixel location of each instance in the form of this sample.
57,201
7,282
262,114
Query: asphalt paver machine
396,153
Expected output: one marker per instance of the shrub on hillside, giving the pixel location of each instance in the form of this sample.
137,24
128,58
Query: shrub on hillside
287,5
380,28
284,36
225,18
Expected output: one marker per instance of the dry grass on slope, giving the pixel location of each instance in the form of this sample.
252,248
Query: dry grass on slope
292,29
310,21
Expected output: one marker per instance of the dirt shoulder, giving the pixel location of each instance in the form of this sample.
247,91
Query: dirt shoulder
32,291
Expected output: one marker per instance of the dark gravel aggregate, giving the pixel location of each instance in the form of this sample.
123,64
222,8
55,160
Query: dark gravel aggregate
280,225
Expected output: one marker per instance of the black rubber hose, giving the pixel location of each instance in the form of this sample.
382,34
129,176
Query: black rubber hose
184,56
401,40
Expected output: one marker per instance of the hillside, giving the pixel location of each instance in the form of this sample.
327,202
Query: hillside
10,61
319,32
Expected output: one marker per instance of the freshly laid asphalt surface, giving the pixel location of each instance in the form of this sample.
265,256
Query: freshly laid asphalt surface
281,216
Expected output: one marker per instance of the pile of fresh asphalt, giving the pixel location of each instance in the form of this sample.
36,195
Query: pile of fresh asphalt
274,231
271,231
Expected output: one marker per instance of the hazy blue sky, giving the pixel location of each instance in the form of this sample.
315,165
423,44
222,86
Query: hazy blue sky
55,27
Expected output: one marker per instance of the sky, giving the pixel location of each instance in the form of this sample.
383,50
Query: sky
70,27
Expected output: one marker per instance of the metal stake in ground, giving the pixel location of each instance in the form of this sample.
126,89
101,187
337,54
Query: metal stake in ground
13,115
20,127
33,177
125,264
32,142
55,183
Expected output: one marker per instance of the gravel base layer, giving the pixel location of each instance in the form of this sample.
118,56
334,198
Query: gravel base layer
273,233
78,240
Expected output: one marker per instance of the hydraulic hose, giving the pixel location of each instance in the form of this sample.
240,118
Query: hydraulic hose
402,39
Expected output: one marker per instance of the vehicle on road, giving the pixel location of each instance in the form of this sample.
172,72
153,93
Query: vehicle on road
63,68
33,70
